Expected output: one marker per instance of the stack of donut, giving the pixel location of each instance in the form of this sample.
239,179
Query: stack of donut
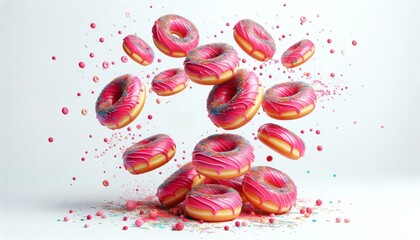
220,177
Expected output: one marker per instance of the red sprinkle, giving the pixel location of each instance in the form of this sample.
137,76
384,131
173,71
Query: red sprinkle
337,220
237,223
269,158
271,220
318,202
125,218
131,205
93,25
101,40
319,148
302,211
88,217
354,42
179,226
150,117
346,220
309,210
226,228
82,65
50,139
125,228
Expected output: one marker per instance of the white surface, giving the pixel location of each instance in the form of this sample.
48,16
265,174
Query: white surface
377,168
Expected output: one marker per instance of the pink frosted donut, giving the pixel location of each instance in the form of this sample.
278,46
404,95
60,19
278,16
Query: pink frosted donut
186,38
149,154
232,104
254,40
211,64
281,140
289,100
269,189
223,156
235,183
213,203
138,50
298,53
170,82
174,189
120,102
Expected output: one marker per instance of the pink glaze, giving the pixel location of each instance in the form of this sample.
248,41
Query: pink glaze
270,184
139,47
223,152
257,36
168,80
235,183
182,178
167,25
214,198
118,99
211,60
146,149
275,131
230,100
296,52
288,96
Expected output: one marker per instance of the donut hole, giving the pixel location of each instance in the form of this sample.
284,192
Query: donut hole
288,91
178,30
223,146
274,180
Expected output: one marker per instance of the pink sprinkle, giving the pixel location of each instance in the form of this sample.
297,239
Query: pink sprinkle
50,139
237,223
73,178
65,110
307,215
150,117
346,220
244,223
82,65
103,216
302,211
139,222
71,211
302,131
141,212
105,64
157,100
226,228
159,60
105,183
124,59
303,19
131,205
99,213
95,79
329,41
332,51
79,94
271,220
86,225
337,220
319,148
125,218
153,214
227,24
332,75
84,111
93,25
125,228
179,226
309,210
53,58
243,60
105,139
138,126
101,40
88,217
91,55
318,202
66,219
317,132
269,158
148,76
354,42
139,203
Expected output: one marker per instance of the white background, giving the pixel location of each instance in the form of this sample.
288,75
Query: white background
377,168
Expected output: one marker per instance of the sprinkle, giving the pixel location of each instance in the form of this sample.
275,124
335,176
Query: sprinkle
139,222
318,202
179,226
302,211
226,228
89,217
131,205
346,220
99,213
337,220
66,219
50,139
271,220
309,210
125,228
237,223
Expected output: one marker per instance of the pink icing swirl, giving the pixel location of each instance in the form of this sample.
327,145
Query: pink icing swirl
146,149
257,36
214,198
182,178
118,99
211,60
288,96
230,100
167,25
297,52
169,79
139,47
235,183
275,131
270,184
223,152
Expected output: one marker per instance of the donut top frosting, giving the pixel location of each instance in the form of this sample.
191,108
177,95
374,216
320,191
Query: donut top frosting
182,178
235,183
118,98
214,198
297,51
289,96
146,149
230,100
271,184
275,131
257,36
187,34
211,60
169,79
139,47
223,152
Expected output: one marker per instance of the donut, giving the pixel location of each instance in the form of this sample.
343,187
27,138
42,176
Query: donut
235,183
211,64
223,156
298,53
254,40
289,100
138,50
120,102
281,140
164,31
269,189
213,203
232,104
174,189
149,154
170,82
